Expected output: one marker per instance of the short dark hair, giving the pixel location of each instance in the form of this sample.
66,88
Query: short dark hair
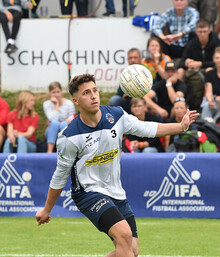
134,49
78,80
202,23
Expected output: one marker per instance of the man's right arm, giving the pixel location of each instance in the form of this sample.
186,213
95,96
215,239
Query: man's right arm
43,216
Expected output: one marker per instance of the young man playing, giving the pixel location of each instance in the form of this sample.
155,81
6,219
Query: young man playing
89,149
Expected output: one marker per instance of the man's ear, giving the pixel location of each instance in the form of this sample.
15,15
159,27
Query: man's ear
75,101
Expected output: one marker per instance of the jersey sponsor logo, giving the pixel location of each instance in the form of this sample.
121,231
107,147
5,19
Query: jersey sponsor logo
103,158
110,118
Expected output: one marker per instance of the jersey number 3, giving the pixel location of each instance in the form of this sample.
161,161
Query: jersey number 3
114,134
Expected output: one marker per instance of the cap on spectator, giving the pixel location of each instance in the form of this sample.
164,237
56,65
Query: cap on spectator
170,65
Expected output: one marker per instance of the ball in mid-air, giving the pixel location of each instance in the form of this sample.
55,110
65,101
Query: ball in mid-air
136,80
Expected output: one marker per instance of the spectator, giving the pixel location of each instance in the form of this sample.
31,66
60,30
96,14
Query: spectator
81,7
175,26
59,112
212,89
121,99
33,11
156,60
179,110
11,11
217,25
22,124
165,92
207,10
143,144
110,7
4,110
196,60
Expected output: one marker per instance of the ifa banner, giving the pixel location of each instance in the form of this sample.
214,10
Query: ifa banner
172,185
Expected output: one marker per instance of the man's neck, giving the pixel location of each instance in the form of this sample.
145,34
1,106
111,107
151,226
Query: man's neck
91,119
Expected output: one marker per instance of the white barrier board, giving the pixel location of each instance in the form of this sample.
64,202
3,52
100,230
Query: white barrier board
97,45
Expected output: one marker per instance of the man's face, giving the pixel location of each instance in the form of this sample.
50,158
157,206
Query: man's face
170,72
87,97
203,34
134,57
180,5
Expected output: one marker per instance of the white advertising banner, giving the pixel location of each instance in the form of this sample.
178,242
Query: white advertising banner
96,45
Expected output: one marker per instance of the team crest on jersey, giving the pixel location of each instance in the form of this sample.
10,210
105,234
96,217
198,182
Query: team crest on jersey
110,118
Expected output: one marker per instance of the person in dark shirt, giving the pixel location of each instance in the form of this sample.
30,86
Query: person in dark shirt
143,144
212,89
165,92
196,60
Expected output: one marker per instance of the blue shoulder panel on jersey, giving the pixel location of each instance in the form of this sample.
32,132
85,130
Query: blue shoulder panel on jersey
110,116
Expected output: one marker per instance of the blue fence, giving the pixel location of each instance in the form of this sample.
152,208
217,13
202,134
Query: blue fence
157,185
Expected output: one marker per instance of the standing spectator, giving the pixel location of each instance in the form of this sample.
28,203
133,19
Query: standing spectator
11,11
196,60
4,110
121,99
207,9
180,22
165,92
33,11
81,7
156,60
22,124
212,89
59,112
143,144
110,7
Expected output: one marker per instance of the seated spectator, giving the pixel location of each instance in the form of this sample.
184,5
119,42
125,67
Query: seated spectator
155,60
22,124
179,109
81,7
196,60
174,27
4,110
11,11
110,7
143,144
121,99
161,97
211,106
59,112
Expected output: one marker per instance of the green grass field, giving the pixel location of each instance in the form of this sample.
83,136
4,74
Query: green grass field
20,236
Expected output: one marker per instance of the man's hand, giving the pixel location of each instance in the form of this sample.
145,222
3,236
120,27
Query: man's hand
9,16
42,217
189,118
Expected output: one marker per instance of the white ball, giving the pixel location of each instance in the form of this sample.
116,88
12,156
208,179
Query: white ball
136,80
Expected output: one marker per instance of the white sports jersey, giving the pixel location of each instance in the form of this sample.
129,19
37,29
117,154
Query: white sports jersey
92,154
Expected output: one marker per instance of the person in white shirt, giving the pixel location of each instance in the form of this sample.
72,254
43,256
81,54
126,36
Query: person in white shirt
89,149
59,112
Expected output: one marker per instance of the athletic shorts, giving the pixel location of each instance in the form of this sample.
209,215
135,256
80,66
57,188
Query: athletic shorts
104,211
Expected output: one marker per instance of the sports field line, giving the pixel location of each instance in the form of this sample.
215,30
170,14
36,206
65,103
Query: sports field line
82,255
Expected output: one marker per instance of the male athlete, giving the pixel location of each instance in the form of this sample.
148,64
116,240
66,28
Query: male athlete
89,149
